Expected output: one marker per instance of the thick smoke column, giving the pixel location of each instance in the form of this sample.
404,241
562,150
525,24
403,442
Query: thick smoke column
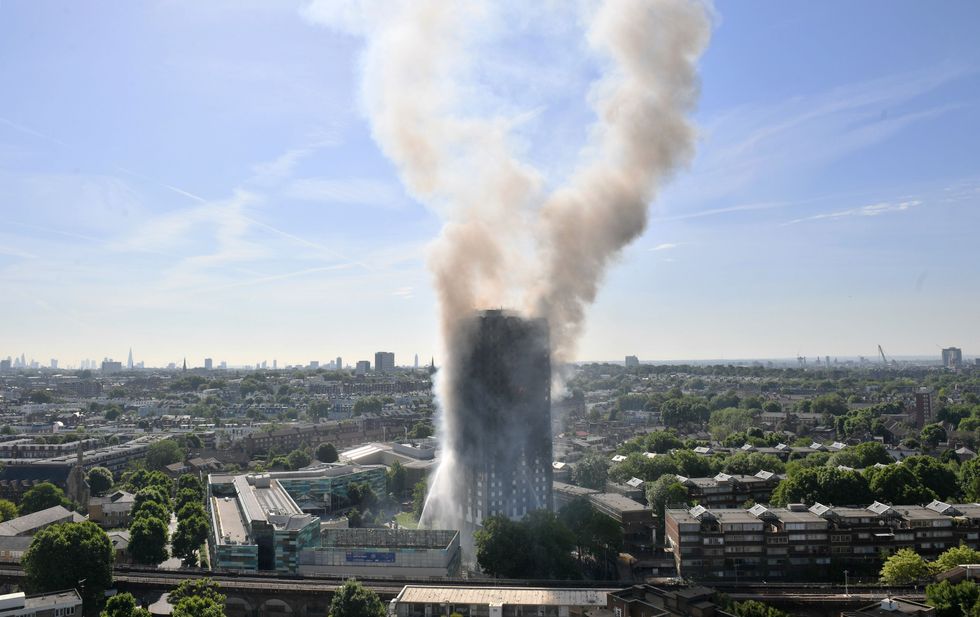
505,243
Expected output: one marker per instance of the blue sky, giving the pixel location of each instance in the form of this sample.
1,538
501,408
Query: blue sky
197,179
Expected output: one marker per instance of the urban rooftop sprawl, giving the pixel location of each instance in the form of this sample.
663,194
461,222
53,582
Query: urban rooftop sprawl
674,474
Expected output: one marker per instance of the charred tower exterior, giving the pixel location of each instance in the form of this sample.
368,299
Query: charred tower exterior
503,429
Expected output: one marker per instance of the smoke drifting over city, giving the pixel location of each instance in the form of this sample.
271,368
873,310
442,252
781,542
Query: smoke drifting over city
507,241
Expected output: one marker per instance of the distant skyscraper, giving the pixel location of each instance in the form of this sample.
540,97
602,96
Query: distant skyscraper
275,364
129,362
314,364
111,366
384,361
362,368
416,361
952,357
54,363
208,364
340,363
223,365
632,362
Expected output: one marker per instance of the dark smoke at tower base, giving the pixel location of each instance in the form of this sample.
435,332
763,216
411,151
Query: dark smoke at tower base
499,434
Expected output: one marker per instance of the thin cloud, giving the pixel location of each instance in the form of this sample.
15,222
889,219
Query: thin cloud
349,191
864,211
666,246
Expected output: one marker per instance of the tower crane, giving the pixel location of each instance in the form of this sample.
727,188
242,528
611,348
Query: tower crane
882,352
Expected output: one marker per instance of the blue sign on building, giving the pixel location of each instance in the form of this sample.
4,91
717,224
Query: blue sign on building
370,557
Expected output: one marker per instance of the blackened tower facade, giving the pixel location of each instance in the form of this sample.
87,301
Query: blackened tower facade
503,428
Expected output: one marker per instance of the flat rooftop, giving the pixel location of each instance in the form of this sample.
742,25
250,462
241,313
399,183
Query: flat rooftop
529,596
231,526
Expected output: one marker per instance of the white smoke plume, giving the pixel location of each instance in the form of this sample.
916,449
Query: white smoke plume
505,241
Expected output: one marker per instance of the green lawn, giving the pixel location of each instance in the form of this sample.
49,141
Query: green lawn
407,520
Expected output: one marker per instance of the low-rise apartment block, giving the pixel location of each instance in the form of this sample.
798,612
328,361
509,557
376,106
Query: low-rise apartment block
798,542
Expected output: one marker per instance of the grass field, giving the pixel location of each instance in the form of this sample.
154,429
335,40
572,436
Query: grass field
407,520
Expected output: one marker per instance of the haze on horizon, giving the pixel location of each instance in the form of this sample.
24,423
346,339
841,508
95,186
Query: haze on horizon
196,180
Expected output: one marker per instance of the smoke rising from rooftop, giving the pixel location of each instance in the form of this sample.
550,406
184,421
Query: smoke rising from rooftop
507,241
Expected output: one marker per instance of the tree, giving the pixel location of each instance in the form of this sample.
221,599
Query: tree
189,481
903,568
298,459
62,556
197,588
662,442
970,479
7,510
198,598
730,420
663,492
833,404
752,462
162,453
141,478
99,480
861,456
931,435
123,605
501,547
368,404
326,453
956,556
953,600
592,471
355,600
827,485
148,540
934,475
896,484
754,608
191,532
421,430
419,492
41,497
396,479
40,396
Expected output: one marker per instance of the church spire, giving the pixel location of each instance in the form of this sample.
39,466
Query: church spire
185,365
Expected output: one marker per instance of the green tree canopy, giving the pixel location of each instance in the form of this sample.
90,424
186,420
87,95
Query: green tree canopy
355,600
162,453
148,540
298,459
896,484
7,510
730,420
326,453
61,556
904,567
954,600
41,497
592,471
956,556
754,608
419,492
99,480
123,605
198,598
826,485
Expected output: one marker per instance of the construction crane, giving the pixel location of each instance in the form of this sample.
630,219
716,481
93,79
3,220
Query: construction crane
882,352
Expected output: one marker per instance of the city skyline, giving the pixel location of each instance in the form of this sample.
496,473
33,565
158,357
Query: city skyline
225,205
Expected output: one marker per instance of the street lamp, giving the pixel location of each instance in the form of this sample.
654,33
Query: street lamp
846,590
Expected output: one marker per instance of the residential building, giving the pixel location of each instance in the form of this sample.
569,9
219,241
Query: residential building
925,399
952,357
208,364
55,604
503,428
384,361
798,543
363,367
111,510
731,490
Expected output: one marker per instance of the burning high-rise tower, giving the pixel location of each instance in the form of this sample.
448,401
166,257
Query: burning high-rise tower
501,427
